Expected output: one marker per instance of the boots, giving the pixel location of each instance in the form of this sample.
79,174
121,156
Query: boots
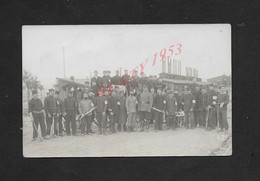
119,127
124,127
100,131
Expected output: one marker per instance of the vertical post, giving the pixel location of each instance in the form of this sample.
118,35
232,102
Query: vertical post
179,67
64,74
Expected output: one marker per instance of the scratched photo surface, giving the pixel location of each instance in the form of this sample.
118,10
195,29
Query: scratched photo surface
127,90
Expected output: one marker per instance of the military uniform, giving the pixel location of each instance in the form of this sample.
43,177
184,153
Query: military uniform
212,102
101,113
51,110
70,109
126,81
85,105
36,108
203,106
131,103
171,109
97,80
197,110
189,103
159,103
223,98
135,82
112,112
122,115
145,103
106,81
59,115
116,80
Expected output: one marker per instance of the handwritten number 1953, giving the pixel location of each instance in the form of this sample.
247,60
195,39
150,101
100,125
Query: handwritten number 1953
163,53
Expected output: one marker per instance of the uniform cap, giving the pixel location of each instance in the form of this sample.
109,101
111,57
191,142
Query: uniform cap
34,92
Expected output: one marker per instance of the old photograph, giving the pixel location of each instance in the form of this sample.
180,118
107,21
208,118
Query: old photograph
126,90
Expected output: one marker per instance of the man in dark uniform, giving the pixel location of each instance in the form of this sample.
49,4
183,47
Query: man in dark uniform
203,105
171,109
160,84
113,110
188,102
142,81
193,85
96,79
136,79
144,107
36,113
152,113
160,105
197,111
70,109
94,88
151,82
116,80
212,102
126,81
106,79
51,110
92,96
59,114
101,112
223,100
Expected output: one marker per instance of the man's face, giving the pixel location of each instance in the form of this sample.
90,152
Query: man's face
216,89
203,91
96,74
159,92
70,94
93,83
52,93
222,89
211,88
170,95
145,89
175,92
113,93
35,96
197,88
187,91
86,84
152,90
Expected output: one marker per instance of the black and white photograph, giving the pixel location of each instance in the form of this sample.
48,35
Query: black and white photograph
126,90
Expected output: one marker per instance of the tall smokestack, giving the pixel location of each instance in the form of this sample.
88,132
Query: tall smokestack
163,66
179,67
169,65
175,67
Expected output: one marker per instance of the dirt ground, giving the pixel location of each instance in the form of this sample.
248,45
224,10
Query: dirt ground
180,142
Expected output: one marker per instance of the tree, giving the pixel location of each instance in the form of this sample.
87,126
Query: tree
31,82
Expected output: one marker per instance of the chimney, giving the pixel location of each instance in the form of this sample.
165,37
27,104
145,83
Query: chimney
179,67
169,65
163,66
175,67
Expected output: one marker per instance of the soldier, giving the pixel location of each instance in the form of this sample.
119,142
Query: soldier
94,88
223,100
113,110
152,113
212,101
171,109
188,102
101,113
142,81
126,81
144,107
96,79
51,110
122,111
116,80
37,116
85,105
93,115
160,84
197,111
59,114
131,103
70,109
193,85
135,80
203,105
106,79
159,104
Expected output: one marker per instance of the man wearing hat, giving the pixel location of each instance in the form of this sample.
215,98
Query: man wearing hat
160,84
144,107
188,101
96,79
197,110
51,110
160,105
59,114
102,103
116,80
136,79
212,102
85,105
70,109
112,110
131,103
36,112
126,81
171,109
223,100
106,79
203,105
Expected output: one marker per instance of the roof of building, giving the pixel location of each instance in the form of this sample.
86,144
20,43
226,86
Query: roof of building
175,81
218,77
77,81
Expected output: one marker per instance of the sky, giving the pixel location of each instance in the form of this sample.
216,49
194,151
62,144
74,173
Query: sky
205,47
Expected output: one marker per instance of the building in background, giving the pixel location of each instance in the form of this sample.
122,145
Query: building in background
221,80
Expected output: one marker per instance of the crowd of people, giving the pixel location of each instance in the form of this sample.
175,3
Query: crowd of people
128,103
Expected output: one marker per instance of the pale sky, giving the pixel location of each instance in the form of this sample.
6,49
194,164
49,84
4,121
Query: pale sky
206,48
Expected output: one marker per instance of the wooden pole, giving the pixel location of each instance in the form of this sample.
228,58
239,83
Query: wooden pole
64,73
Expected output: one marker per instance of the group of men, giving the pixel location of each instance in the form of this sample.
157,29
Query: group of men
143,102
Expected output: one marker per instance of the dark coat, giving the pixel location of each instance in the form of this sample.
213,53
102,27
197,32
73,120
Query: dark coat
204,101
171,105
97,80
160,102
189,101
